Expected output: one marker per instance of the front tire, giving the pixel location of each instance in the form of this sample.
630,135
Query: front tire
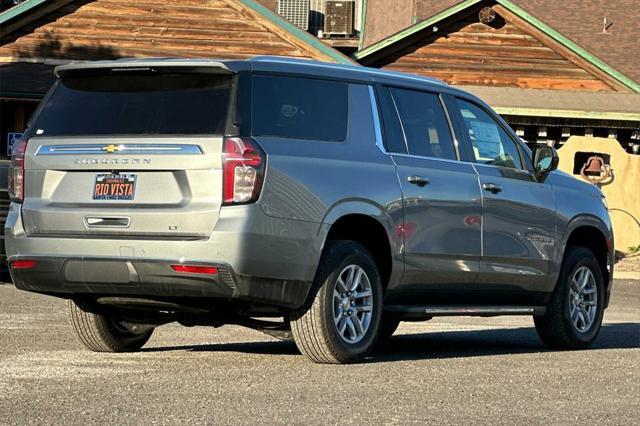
574,314
100,331
340,322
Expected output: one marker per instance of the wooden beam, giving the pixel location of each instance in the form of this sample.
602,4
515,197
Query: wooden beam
488,38
120,8
217,24
484,68
99,47
491,51
518,79
109,40
467,59
126,52
199,35
18,118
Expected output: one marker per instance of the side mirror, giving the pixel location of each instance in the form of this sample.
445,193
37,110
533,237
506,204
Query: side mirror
545,159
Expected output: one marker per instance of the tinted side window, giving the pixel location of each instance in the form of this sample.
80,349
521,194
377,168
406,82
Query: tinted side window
300,108
393,136
424,123
491,144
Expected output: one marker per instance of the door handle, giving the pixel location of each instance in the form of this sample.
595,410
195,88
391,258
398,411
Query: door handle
418,180
491,187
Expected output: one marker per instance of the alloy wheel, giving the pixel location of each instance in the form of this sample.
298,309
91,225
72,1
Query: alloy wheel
583,299
352,304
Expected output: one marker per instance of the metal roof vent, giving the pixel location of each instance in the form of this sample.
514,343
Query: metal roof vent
295,11
487,15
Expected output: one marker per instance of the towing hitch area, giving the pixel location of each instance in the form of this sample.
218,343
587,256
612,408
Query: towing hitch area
146,312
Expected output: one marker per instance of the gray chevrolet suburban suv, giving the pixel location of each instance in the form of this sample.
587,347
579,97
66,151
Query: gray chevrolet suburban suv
311,201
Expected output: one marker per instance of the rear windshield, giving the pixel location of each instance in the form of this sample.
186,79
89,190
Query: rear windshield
136,104
300,108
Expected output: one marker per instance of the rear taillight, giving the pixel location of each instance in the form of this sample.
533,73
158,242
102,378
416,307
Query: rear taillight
22,264
195,269
243,170
16,171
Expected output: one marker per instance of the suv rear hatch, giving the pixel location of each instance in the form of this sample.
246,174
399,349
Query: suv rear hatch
128,152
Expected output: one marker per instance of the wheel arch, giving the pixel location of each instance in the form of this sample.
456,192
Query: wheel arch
371,226
592,233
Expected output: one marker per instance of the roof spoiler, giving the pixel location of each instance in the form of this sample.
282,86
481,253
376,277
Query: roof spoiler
142,65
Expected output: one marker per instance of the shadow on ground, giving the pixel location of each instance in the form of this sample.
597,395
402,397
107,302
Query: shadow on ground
438,345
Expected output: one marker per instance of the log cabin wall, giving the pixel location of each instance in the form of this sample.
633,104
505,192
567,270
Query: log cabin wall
581,21
108,29
464,51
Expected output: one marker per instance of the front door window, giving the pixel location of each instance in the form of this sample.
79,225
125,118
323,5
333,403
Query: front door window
491,144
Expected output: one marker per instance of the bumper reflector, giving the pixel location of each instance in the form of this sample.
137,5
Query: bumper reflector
195,269
23,264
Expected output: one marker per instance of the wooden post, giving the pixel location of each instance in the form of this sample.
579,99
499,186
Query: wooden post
18,117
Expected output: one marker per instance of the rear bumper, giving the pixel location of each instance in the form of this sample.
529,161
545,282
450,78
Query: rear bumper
260,259
138,277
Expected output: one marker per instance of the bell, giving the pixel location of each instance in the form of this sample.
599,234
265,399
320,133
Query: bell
593,166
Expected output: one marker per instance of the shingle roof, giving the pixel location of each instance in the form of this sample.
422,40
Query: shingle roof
386,17
560,103
582,22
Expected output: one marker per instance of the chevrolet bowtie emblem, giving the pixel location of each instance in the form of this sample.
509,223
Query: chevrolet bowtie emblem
111,148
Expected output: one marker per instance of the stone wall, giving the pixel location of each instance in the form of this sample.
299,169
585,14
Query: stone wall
622,189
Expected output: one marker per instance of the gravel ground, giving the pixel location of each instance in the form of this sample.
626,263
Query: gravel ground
446,371
630,263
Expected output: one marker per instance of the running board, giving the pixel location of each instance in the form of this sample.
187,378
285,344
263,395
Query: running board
412,311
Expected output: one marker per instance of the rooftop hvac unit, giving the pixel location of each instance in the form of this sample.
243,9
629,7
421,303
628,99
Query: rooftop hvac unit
295,11
338,18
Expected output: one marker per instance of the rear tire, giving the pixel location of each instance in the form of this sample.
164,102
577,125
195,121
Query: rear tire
340,321
574,313
101,332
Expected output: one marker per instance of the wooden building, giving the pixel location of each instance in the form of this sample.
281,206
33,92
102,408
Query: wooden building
38,34
547,86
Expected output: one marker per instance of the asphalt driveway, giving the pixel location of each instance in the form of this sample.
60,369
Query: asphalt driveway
449,370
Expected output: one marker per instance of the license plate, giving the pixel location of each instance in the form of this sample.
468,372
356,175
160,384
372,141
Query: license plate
114,187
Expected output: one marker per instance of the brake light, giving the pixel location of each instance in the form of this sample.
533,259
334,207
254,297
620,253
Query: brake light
243,170
195,269
16,171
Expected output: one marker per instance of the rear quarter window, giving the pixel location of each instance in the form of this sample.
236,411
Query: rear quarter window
299,108
136,104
